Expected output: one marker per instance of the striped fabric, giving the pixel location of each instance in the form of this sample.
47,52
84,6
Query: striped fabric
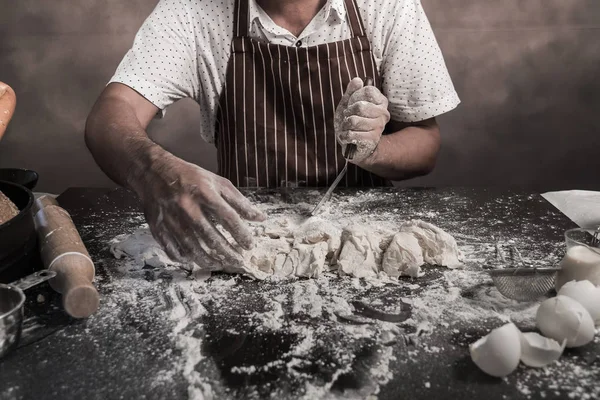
275,117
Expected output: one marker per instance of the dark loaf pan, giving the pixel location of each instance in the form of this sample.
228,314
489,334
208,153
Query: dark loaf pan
18,240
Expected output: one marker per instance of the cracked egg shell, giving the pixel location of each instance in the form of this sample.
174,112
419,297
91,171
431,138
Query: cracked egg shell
586,294
498,353
539,351
562,318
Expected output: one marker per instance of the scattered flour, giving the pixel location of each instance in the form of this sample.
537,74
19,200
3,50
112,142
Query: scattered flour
441,300
568,379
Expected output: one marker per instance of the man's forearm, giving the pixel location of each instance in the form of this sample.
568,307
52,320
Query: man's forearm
119,143
406,153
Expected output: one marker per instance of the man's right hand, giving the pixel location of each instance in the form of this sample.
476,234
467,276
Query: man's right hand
183,202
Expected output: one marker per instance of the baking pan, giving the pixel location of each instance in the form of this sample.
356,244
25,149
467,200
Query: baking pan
18,239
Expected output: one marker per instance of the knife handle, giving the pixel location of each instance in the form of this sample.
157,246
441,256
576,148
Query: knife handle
350,150
351,147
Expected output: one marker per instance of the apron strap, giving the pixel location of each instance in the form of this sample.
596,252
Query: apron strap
356,24
240,18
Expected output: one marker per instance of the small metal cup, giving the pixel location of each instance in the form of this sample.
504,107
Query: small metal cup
11,317
12,300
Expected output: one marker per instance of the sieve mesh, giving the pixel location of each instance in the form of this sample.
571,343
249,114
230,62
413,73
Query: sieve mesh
524,284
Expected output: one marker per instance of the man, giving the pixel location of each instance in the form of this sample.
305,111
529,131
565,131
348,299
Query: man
280,89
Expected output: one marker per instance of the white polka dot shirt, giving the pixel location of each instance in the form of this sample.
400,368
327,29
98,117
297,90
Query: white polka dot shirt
183,48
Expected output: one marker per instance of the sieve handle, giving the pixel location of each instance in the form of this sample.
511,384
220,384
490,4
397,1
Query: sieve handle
34,279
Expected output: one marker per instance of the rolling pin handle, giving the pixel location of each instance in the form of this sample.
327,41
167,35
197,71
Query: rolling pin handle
73,280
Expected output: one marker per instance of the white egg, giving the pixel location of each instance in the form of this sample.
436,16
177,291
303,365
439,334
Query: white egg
586,294
539,351
563,318
498,353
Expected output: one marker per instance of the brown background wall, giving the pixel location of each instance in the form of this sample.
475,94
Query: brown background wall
527,71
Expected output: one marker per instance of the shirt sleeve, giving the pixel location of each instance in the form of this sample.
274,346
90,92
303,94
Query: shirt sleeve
415,78
162,64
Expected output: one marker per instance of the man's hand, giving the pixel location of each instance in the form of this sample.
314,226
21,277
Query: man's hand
360,118
182,202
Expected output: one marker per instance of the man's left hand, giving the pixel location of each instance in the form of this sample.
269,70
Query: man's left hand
360,118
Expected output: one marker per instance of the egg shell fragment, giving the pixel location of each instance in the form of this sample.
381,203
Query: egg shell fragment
562,318
586,294
539,351
498,353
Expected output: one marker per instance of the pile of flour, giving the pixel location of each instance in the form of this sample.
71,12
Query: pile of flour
297,246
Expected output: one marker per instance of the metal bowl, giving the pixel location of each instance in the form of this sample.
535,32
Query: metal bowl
11,317
12,300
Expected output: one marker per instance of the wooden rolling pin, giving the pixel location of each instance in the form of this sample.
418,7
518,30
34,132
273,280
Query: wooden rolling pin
63,251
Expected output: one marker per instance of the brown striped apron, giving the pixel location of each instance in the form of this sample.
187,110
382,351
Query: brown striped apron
276,111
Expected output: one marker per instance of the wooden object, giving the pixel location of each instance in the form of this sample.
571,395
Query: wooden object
42,202
63,251
8,102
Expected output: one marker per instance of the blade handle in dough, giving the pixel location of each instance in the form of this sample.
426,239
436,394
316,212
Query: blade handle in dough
349,155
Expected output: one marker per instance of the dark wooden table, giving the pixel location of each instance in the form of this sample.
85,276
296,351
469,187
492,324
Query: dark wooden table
123,351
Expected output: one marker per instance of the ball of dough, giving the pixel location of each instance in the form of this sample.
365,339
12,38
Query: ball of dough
403,256
439,247
360,254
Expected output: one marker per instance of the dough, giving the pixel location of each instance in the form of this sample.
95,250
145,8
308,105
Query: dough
278,229
305,248
438,246
317,230
304,260
403,256
268,255
141,248
285,250
299,251
360,254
